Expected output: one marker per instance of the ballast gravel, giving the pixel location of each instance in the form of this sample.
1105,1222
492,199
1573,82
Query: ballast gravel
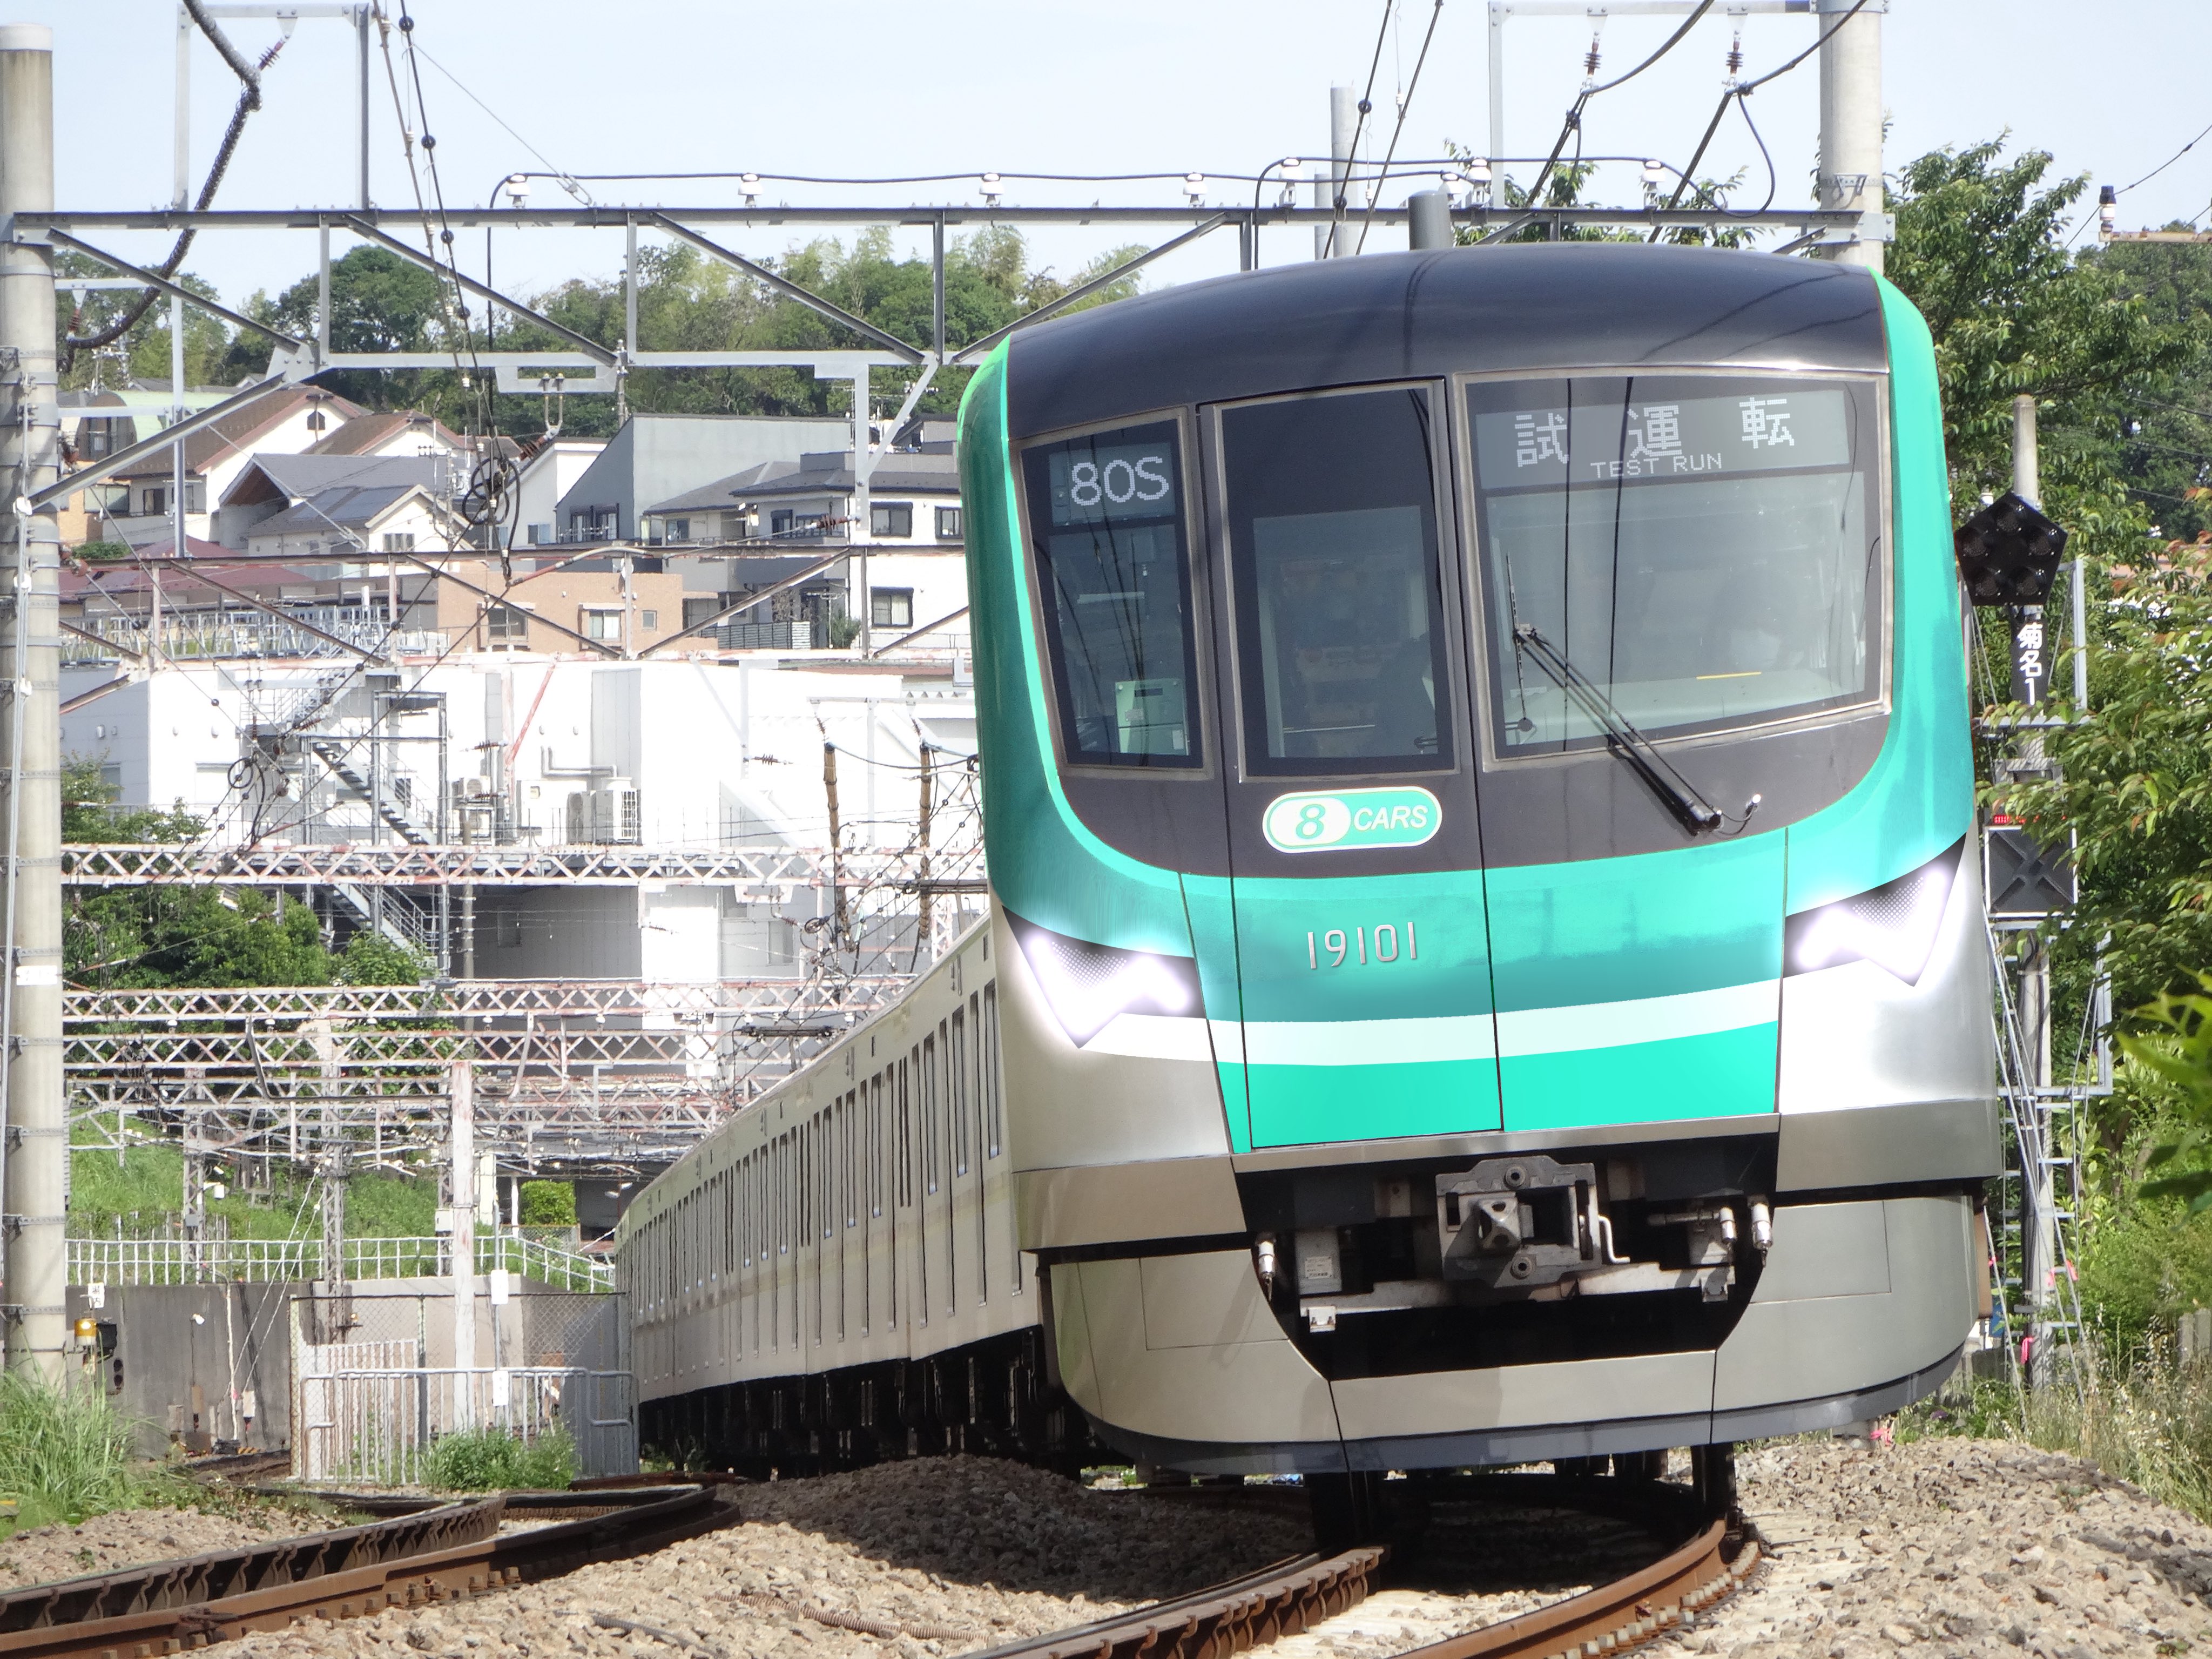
936,1556
129,1538
1956,1547
1953,1546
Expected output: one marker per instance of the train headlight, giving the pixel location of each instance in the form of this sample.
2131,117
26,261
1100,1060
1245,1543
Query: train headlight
1089,986
1893,925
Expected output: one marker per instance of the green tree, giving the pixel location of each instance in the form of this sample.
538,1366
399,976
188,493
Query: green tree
165,934
549,1204
143,350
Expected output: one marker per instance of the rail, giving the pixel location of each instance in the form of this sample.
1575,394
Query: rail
173,1605
1717,1555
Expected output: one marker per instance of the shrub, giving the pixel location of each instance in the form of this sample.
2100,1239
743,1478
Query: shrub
549,1204
491,1458
64,1454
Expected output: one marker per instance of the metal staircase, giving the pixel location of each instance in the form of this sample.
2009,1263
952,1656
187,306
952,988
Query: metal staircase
332,752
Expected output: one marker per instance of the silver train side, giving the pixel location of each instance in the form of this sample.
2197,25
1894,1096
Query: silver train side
849,1269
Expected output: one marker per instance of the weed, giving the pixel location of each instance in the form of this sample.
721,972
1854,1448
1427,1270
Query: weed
491,1458
65,1453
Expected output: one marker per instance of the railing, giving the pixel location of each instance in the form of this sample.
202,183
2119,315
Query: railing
376,1425
765,636
251,633
298,1261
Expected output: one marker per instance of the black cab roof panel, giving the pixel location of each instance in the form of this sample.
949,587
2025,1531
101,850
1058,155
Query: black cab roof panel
1518,307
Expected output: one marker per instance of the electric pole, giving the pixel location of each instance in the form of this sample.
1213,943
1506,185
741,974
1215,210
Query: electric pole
1850,127
33,1191
2031,681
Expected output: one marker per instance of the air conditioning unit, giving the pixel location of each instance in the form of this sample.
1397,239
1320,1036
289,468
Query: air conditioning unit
607,816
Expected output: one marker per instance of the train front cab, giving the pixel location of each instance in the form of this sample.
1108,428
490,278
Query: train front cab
1477,783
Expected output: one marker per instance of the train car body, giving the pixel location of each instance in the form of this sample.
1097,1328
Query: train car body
1486,962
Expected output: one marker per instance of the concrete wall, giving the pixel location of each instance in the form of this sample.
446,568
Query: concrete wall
186,1354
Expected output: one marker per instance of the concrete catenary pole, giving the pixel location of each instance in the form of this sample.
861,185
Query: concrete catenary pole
1850,123
33,1191
462,1198
1343,122
1428,220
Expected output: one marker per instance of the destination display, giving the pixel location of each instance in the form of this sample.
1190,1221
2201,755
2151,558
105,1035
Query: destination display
1602,442
1105,482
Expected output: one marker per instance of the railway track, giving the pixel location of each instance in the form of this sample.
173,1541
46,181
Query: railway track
438,1552
450,1553
1712,1558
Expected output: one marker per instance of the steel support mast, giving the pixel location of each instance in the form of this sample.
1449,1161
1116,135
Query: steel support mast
33,1191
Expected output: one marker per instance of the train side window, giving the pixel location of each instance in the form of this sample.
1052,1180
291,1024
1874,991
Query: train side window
902,1112
1113,574
956,1065
987,1046
929,1113
876,1147
783,1194
1332,513
854,1109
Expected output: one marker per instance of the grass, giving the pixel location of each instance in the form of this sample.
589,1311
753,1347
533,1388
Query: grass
491,1459
65,1453
2145,1420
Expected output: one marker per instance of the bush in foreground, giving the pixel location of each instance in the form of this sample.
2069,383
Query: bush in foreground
491,1459
64,1454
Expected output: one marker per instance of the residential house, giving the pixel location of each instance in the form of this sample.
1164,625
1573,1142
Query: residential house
398,432
655,457
914,551
285,420
548,475
271,484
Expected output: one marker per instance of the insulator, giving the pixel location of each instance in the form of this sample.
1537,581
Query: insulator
1589,58
1735,55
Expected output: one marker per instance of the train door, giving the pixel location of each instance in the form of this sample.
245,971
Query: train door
997,1177
854,1250
1640,564
905,1277
933,1190
1361,927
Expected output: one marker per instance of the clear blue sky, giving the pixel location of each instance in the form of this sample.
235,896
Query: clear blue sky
965,85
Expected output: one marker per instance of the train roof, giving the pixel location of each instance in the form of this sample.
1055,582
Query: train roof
1523,306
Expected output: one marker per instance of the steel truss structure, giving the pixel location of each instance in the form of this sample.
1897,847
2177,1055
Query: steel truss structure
771,873
580,365
568,1073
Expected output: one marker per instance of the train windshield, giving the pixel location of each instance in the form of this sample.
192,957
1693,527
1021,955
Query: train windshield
1107,515
1332,539
1702,550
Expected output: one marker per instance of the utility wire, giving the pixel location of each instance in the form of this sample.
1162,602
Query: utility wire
1744,89
1572,124
1375,195
249,100
1366,105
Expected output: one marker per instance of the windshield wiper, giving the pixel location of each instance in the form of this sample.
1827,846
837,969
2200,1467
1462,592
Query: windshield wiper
1692,810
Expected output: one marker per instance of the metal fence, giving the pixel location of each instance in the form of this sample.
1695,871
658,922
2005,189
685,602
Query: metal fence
375,1425
250,634
297,1261
765,636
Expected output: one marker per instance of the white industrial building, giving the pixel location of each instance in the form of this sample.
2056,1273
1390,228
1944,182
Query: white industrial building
536,750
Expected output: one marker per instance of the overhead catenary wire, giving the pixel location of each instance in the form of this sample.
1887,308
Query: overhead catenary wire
249,100
1374,195
1743,89
1571,127
1366,105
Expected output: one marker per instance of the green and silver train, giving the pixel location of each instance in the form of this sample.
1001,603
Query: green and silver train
1484,961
